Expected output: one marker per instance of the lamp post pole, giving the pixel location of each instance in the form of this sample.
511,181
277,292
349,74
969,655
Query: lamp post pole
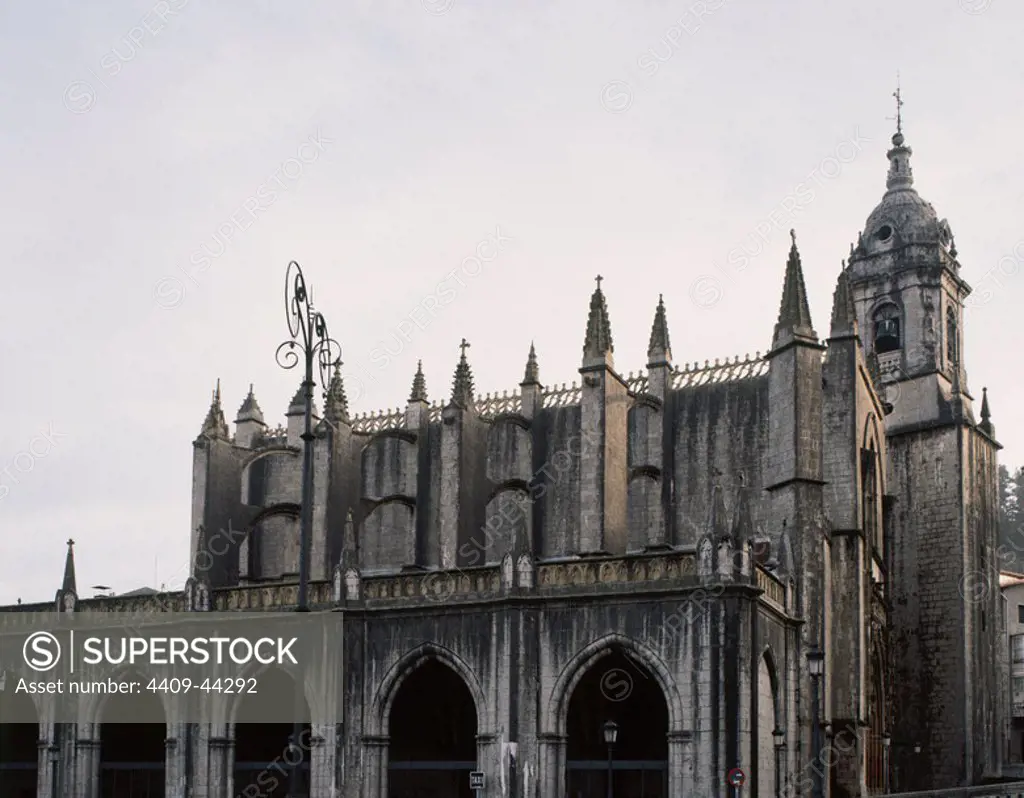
307,334
886,745
816,666
611,734
779,737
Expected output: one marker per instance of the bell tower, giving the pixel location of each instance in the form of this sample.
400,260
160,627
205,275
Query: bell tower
909,299
941,509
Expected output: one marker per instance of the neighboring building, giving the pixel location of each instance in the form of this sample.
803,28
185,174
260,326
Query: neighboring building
667,550
1013,594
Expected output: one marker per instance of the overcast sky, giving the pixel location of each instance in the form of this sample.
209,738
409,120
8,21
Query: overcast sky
164,163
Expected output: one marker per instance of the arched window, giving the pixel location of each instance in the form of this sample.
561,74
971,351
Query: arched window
887,329
952,336
869,497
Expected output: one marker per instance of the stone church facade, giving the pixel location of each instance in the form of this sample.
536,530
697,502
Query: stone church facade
669,551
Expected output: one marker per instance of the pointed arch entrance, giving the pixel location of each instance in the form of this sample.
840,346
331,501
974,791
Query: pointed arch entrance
133,756
432,727
19,747
264,754
618,688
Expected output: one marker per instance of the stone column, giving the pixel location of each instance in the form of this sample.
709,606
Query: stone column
87,775
551,781
174,749
680,763
375,766
221,767
321,760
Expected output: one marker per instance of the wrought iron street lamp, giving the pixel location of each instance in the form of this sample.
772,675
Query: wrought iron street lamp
611,735
816,666
779,738
308,343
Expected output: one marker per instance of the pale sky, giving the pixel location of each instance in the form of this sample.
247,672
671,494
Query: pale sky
165,161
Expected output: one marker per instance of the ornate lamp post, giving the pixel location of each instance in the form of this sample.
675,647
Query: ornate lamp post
816,666
611,734
308,338
779,738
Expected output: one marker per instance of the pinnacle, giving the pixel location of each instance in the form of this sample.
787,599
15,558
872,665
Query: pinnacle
70,584
844,315
598,342
250,409
335,400
419,385
659,350
718,524
794,312
462,385
532,375
215,426
986,415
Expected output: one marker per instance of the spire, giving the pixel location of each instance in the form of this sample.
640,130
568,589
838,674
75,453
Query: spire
335,401
794,312
659,350
419,385
844,316
215,426
250,409
532,375
986,415
900,174
462,386
70,584
598,343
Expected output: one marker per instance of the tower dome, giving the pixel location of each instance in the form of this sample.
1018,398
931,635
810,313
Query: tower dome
903,216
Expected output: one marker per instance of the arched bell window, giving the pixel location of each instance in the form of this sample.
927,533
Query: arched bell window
952,337
887,329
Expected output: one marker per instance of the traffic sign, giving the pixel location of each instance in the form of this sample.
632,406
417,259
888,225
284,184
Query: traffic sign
736,777
476,780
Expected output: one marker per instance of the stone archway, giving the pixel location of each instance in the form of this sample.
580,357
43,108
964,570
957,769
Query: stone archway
768,720
132,756
264,755
617,689
19,746
432,725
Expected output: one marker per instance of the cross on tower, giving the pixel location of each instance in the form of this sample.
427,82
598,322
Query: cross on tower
464,346
899,105
599,278
71,541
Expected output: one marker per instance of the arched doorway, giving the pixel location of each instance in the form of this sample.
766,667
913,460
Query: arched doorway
433,728
768,721
19,746
263,751
132,755
619,689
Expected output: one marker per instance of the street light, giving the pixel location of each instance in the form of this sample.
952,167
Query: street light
886,745
308,334
779,738
611,734
816,666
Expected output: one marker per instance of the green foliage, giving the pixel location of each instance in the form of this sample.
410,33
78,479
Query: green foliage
1011,515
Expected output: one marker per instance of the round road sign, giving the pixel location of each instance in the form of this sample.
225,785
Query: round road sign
736,777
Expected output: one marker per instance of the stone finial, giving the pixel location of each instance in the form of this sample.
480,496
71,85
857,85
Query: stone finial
349,547
532,375
215,426
462,385
900,175
70,583
952,247
986,415
659,350
844,315
598,342
419,385
794,311
743,518
335,400
250,409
